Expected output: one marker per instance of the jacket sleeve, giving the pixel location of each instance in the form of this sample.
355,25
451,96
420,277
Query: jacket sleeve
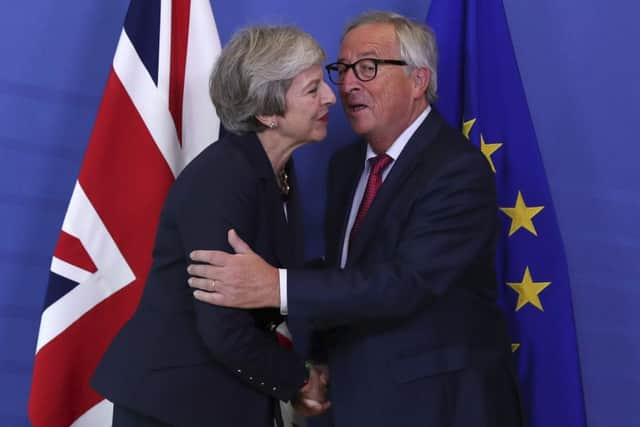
213,203
449,227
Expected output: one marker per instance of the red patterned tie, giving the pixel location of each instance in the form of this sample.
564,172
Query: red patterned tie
378,165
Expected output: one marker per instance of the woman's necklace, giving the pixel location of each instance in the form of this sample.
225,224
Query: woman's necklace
283,183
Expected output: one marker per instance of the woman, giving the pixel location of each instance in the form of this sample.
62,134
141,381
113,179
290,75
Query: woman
182,362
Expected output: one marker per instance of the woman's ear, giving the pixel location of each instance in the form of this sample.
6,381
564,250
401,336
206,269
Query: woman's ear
268,121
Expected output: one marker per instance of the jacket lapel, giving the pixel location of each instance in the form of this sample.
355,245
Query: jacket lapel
348,172
283,238
289,241
271,205
295,225
408,160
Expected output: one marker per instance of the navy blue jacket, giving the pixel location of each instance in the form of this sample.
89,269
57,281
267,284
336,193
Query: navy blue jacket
187,363
412,330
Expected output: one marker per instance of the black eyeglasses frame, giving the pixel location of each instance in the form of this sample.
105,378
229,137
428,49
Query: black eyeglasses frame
333,67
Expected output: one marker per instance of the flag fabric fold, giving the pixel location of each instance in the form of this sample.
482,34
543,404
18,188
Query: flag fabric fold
155,116
480,91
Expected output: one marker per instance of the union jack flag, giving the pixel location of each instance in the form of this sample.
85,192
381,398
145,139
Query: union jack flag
155,117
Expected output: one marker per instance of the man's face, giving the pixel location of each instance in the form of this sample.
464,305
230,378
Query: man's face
382,108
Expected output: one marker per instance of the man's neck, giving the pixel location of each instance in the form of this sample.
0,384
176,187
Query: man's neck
380,144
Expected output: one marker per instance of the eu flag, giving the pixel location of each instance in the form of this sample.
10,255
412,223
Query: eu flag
480,90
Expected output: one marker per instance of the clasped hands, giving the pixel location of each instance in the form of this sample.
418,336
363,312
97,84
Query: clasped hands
311,399
245,280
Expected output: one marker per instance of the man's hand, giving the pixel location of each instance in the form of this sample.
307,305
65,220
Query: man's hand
312,398
243,280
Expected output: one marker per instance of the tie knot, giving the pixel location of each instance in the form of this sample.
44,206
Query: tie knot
379,163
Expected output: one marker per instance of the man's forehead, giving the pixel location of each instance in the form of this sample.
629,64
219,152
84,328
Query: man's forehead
369,40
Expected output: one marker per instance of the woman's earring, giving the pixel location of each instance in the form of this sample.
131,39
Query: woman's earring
273,125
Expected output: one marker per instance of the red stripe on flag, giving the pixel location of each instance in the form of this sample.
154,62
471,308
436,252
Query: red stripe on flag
179,40
70,249
126,179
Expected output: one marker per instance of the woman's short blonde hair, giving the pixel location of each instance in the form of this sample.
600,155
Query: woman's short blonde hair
254,72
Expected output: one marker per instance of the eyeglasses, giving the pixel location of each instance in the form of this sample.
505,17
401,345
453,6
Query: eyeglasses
365,69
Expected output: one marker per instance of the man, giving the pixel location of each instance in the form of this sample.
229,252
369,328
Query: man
409,319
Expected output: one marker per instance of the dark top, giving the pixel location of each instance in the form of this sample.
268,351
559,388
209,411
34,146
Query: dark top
189,363
413,333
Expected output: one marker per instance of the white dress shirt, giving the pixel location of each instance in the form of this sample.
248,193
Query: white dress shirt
394,152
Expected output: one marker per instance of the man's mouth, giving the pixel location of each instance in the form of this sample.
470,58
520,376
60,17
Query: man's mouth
354,108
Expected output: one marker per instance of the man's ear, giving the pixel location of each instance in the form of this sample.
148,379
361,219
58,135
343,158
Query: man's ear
421,77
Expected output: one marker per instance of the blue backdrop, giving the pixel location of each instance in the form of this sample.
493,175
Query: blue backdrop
581,75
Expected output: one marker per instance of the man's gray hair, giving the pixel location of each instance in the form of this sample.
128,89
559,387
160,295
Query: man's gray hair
417,43
254,72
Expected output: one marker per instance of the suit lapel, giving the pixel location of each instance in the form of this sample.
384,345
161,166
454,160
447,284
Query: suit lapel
271,206
294,224
289,237
408,160
283,229
282,236
348,172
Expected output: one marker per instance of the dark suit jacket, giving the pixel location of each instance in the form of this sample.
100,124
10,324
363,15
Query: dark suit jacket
414,335
191,364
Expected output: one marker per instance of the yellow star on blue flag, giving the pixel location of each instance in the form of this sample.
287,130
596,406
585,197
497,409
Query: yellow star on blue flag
528,291
522,216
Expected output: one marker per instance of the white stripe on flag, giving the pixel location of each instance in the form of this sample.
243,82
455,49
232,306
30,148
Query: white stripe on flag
164,51
113,272
69,271
100,415
151,105
199,118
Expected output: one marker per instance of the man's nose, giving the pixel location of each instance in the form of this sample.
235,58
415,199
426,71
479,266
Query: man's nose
350,81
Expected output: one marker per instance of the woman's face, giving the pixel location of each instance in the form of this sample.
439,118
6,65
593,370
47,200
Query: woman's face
307,109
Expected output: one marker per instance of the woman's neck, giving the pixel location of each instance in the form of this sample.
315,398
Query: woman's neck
278,150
